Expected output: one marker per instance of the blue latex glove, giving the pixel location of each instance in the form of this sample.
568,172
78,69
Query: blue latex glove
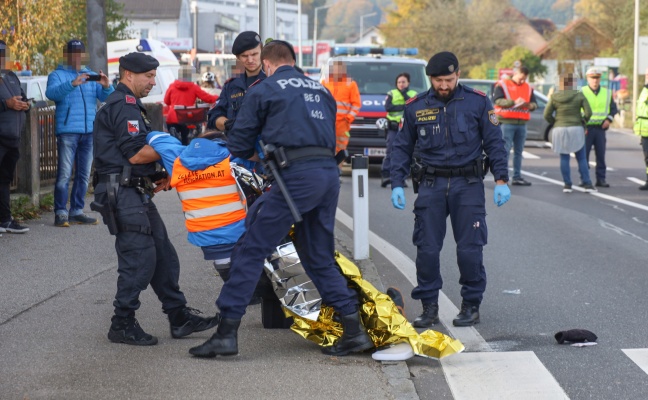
501,195
398,198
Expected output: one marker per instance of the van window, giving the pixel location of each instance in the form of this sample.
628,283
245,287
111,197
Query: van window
380,78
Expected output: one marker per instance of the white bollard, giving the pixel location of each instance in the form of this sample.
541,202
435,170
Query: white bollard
360,181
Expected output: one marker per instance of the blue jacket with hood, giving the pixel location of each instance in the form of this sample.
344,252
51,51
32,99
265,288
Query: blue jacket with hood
199,154
76,107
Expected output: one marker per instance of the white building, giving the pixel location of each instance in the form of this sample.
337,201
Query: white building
215,22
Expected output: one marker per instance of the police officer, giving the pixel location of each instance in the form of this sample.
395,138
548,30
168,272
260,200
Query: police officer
124,165
247,49
293,112
450,125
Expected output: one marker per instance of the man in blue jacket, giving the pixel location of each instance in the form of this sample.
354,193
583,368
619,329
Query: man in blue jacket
75,91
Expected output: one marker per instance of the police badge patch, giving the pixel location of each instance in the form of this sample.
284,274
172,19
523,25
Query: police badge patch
133,128
493,118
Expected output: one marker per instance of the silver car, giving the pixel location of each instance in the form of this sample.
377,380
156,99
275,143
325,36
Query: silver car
537,127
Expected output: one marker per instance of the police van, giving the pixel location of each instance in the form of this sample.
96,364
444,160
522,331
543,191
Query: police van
375,71
167,72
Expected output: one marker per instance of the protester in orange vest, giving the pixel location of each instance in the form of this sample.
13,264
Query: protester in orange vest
514,101
347,96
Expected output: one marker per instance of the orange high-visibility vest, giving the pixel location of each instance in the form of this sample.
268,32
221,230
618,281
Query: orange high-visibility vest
210,197
347,96
513,91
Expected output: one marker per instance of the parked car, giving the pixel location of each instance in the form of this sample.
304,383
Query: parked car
34,88
537,127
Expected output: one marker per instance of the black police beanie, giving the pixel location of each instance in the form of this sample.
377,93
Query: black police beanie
575,336
443,63
138,62
245,41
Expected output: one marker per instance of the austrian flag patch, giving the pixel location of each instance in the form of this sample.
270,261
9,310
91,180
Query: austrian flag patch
133,127
131,99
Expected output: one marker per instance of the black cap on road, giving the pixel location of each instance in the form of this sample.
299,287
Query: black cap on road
138,62
245,41
443,63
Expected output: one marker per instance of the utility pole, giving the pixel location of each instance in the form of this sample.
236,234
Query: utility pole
97,39
267,19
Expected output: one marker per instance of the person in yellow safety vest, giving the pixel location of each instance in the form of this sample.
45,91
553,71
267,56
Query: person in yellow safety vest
394,105
347,96
514,101
603,111
641,125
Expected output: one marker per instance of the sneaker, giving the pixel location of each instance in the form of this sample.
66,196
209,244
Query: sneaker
13,227
190,322
567,188
82,219
128,331
520,182
589,188
61,220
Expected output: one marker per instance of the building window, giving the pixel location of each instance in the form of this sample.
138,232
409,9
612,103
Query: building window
144,33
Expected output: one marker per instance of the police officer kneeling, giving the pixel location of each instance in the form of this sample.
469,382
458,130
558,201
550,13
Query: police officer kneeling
297,115
125,173
450,125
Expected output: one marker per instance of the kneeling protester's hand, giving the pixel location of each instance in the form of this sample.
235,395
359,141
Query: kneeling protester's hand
398,198
501,195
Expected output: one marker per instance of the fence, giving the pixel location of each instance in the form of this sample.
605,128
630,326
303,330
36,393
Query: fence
38,155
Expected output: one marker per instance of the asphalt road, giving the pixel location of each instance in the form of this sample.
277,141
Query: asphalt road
578,261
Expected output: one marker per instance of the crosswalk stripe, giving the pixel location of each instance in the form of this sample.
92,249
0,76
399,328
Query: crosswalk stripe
639,356
510,375
530,156
636,180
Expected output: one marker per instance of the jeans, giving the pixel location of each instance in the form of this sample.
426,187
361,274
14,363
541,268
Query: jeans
514,136
582,167
74,150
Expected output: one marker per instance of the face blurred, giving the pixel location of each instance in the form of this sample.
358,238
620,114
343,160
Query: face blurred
74,59
402,83
140,84
444,86
338,71
251,60
594,82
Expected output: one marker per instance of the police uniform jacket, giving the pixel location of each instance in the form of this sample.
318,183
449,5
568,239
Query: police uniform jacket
288,110
448,135
120,132
231,98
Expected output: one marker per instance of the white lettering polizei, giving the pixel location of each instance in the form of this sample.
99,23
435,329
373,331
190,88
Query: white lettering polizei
299,82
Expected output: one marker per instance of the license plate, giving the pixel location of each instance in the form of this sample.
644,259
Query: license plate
375,152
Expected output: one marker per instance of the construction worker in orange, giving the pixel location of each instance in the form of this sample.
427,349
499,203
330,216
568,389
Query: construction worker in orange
347,96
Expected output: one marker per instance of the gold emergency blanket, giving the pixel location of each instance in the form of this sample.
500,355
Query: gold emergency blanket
384,323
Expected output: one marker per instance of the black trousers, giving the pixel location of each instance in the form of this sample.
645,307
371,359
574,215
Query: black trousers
8,160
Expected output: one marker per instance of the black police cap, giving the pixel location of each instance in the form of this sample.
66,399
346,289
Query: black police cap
138,62
443,63
245,41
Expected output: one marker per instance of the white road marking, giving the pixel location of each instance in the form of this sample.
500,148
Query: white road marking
469,336
639,356
580,189
636,180
511,375
526,155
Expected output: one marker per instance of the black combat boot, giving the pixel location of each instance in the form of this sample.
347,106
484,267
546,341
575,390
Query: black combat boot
354,337
185,321
429,317
468,316
224,342
645,185
127,330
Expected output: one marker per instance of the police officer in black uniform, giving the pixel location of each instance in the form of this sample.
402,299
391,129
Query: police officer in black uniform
125,173
247,49
296,115
450,125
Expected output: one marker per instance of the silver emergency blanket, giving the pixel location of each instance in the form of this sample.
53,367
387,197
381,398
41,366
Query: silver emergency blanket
291,284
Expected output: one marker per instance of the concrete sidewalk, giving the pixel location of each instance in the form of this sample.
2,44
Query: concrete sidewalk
57,290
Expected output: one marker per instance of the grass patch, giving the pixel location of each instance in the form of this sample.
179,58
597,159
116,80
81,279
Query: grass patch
22,209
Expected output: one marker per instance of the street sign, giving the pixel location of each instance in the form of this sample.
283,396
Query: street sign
643,55
505,71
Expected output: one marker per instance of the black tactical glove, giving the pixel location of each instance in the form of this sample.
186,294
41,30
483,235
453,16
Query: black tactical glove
575,335
229,124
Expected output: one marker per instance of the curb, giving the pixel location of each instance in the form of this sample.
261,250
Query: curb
396,373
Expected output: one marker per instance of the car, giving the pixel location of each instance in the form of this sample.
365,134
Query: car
537,127
375,75
34,88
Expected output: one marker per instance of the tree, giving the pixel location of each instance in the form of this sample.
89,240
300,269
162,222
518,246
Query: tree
525,57
36,30
343,19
